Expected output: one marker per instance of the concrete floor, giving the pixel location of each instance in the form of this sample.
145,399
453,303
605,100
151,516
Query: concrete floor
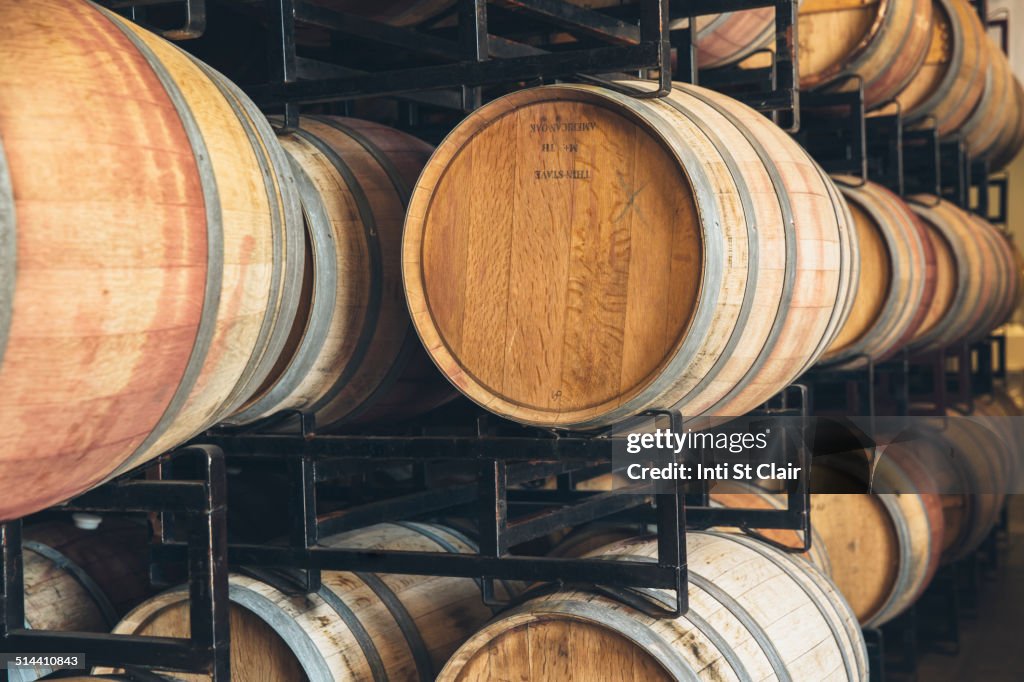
992,644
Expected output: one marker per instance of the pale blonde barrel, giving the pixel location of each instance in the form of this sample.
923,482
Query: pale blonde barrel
574,257
359,626
755,613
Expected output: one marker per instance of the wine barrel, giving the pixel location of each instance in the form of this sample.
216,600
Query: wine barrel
592,536
84,580
885,545
183,251
359,626
574,257
730,37
1014,142
881,42
982,464
971,276
949,84
896,279
992,130
972,460
354,355
1004,274
739,495
81,580
755,613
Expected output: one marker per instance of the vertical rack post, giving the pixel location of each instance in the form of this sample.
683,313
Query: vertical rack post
208,567
474,41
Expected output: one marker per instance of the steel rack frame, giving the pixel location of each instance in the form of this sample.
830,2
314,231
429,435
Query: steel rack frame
194,10
502,458
845,138
201,503
642,43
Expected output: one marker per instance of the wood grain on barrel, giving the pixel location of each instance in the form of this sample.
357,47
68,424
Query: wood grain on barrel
113,558
884,545
974,275
611,266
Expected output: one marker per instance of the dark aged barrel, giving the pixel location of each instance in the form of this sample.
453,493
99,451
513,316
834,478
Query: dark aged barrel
755,613
896,279
354,356
974,276
949,84
883,42
142,302
885,546
359,626
574,257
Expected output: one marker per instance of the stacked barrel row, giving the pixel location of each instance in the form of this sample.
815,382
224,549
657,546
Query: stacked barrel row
358,626
932,58
677,254
167,264
753,610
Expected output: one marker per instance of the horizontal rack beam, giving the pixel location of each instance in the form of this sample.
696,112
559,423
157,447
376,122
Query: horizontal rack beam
509,567
531,67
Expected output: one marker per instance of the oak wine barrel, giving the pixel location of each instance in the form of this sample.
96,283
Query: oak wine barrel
949,84
353,355
78,579
574,257
897,277
740,495
881,42
973,278
592,536
992,131
147,300
885,545
755,613
359,626
972,461
82,580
